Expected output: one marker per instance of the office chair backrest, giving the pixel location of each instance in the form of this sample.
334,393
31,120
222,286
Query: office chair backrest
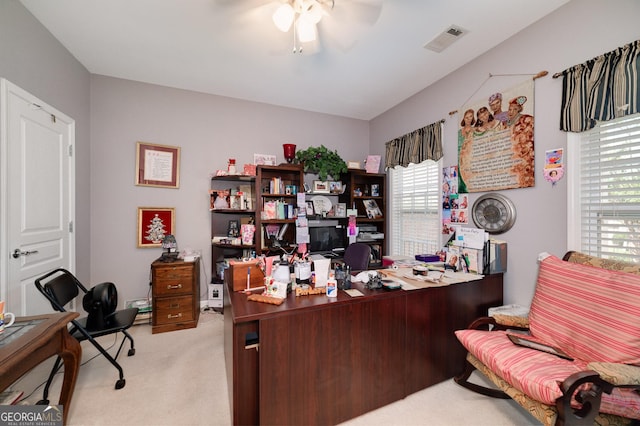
357,256
61,289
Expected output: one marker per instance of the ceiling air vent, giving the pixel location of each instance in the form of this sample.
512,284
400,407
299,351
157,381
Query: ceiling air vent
446,38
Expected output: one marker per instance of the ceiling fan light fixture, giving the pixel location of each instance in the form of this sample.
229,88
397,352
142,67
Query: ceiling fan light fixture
314,13
306,29
283,17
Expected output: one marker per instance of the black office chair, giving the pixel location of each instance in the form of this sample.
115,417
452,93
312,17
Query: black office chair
357,256
60,287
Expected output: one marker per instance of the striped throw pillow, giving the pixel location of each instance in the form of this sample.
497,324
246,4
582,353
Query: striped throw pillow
591,313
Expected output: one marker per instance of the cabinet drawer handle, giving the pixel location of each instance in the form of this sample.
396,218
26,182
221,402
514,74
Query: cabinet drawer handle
173,287
174,306
174,316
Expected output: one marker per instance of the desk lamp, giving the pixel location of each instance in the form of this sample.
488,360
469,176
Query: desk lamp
169,249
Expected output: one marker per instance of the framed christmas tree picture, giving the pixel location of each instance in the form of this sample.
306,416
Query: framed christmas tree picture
155,223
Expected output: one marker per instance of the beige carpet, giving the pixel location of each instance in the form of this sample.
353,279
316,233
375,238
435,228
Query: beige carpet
178,378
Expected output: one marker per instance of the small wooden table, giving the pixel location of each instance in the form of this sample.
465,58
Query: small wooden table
31,340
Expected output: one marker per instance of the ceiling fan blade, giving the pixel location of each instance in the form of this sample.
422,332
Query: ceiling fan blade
362,11
240,5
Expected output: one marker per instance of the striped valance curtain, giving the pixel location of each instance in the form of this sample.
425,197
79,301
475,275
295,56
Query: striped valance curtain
415,147
601,89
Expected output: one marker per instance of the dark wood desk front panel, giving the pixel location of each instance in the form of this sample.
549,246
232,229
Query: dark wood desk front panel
324,361
433,352
330,363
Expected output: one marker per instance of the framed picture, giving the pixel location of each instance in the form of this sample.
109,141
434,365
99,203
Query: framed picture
341,210
372,165
155,223
310,211
264,159
353,165
321,186
157,165
233,230
375,190
372,209
335,187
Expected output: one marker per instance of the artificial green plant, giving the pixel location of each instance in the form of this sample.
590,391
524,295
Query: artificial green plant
322,161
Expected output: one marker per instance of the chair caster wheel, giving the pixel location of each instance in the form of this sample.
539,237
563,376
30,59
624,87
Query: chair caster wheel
131,352
120,384
43,402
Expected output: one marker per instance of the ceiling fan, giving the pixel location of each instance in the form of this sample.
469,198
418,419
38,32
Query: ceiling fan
314,24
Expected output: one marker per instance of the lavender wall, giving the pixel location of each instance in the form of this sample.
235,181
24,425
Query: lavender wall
112,114
34,60
573,34
209,129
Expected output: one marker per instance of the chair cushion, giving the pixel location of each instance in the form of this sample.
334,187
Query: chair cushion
538,374
590,313
535,373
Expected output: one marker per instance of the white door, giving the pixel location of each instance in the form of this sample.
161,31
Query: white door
36,186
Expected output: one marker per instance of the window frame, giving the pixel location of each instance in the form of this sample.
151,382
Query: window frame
575,235
395,247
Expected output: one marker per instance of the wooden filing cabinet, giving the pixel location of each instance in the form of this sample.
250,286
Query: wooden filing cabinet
175,295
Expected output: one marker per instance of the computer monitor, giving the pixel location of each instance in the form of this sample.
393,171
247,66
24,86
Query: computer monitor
327,238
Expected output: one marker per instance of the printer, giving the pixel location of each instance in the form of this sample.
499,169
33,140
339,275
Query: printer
369,233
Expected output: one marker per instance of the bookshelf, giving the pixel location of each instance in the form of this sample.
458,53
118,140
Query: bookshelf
230,209
276,200
366,192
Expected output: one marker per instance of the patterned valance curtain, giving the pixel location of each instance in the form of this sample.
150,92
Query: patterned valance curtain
415,147
601,89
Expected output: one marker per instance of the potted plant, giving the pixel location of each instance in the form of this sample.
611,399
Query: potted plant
322,161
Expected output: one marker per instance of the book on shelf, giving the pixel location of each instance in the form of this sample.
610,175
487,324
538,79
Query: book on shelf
276,186
270,210
248,195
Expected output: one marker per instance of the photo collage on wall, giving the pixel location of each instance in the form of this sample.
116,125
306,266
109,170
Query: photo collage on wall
455,206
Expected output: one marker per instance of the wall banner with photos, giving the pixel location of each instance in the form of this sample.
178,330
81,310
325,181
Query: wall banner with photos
496,146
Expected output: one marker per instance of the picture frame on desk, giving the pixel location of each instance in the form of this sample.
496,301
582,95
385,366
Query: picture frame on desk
375,190
341,210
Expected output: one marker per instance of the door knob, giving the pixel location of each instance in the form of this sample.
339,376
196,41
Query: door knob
17,253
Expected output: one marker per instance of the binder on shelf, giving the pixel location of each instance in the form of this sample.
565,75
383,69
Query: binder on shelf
497,256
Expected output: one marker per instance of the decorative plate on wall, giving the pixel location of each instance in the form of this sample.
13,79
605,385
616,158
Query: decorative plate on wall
494,213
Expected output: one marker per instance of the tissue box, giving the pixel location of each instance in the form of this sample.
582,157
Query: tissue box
428,257
238,270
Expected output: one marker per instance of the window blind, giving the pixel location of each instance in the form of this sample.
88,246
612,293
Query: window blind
609,189
415,209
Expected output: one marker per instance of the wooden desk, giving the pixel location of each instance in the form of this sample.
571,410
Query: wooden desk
41,337
324,361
